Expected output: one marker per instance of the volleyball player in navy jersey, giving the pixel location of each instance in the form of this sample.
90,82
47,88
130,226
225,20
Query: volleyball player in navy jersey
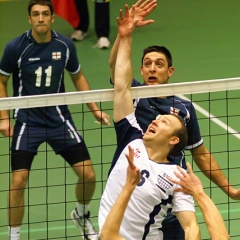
36,60
154,194
156,69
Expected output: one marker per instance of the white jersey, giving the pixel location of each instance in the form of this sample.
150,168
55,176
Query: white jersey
151,198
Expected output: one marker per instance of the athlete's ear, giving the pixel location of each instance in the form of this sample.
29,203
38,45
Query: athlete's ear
53,18
29,20
174,140
141,71
170,71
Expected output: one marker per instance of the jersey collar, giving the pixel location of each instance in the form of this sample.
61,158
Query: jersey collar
30,37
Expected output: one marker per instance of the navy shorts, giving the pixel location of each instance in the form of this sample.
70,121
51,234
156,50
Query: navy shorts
28,138
64,140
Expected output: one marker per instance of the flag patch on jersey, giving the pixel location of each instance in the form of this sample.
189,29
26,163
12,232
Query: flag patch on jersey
174,110
56,55
163,182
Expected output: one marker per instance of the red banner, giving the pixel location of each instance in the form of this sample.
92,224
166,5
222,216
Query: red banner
67,10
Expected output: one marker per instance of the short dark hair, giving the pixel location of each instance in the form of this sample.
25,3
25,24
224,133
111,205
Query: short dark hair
40,2
182,134
160,49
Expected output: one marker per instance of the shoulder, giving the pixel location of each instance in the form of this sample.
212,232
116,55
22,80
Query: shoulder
182,101
136,83
62,38
19,41
15,48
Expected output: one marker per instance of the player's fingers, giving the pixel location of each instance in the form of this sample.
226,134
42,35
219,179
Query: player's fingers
105,120
144,23
179,190
130,162
145,5
118,20
130,157
150,9
173,180
121,16
179,175
127,10
182,171
189,167
138,3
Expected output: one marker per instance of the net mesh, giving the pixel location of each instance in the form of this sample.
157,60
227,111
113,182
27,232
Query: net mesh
49,196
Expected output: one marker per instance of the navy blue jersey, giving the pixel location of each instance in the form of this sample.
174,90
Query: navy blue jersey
38,68
147,109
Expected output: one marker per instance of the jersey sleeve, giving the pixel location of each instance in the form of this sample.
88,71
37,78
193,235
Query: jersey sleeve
194,135
73,65
8,62
182,202
135,83
127,130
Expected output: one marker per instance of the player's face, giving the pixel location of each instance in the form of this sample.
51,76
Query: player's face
41,20
155,69
161,131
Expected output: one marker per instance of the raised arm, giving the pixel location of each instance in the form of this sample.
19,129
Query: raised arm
110,229
142,10
123,104
192,185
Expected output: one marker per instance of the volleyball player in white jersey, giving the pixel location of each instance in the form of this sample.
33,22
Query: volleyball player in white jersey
190,184
154,194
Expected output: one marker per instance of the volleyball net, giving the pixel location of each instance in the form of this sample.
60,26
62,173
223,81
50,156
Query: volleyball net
50,193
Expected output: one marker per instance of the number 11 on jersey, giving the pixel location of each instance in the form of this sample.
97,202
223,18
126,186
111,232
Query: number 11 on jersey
48,73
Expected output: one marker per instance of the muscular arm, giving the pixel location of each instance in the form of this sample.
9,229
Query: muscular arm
123,69
216,227
5,125
209,166
142,10
189,224
81,84
192,185
113,58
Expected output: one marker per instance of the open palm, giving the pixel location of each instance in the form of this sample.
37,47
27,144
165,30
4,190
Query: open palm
127,23
142,10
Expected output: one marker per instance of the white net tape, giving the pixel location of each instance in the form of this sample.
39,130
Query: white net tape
104,95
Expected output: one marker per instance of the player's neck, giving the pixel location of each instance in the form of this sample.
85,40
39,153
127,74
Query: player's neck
156,155
42,38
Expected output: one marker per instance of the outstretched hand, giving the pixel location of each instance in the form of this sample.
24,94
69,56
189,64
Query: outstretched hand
142,10
189,182
133,173
127,23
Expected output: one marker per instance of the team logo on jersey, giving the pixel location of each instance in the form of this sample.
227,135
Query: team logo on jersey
163,182
56,55
137,153
174,110
33,59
